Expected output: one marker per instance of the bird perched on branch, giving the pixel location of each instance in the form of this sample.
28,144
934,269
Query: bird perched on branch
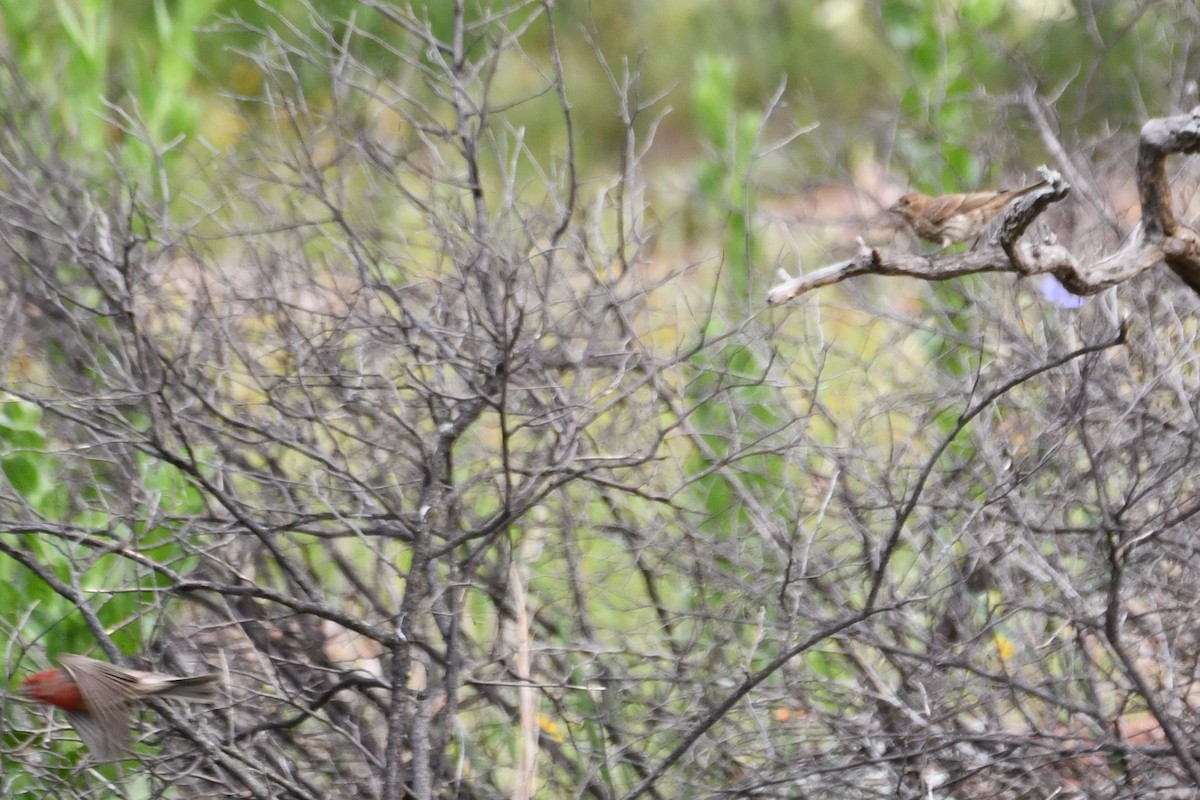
97,696
951,218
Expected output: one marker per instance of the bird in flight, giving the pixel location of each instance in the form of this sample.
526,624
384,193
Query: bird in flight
97,696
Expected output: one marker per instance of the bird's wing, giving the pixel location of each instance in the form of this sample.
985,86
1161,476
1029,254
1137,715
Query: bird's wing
102,685
107,690
105,734
942,208
975,200
1000,198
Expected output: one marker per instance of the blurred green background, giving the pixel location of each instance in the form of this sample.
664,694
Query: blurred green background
916,86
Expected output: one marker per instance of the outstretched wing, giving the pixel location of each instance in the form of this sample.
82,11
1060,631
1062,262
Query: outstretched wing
106,689
106,736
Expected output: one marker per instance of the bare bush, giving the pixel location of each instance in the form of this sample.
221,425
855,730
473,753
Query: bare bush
396,419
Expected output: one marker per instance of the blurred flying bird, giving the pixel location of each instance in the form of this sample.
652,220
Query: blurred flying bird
96,697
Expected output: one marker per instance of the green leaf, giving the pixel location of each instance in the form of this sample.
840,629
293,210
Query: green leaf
712,97
32,440
22,472
20,414
981,13
824,664
162,20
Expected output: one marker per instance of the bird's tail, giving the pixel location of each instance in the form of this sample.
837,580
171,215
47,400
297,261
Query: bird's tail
195,687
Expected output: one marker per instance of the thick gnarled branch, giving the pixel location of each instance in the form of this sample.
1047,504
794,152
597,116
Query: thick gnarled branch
1179,244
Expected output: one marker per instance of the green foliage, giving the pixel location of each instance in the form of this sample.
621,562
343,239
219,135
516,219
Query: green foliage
733,407
724,177
827,665
39,477
22,446
167,69
81,554
942,66
727,379
22,441
112,73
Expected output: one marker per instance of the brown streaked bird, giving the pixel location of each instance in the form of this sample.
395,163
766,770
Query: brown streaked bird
951,218
96,697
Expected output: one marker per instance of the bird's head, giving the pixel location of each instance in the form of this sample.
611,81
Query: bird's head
53,686
909,205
